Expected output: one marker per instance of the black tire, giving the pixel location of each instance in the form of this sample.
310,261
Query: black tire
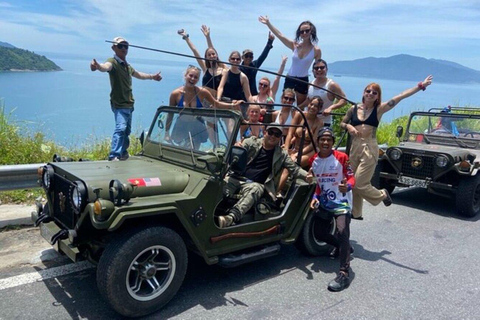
381,183
142,270
468,196
308,242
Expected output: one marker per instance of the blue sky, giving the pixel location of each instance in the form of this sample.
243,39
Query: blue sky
347,30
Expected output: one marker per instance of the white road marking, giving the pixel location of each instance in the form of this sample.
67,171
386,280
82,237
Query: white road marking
43,275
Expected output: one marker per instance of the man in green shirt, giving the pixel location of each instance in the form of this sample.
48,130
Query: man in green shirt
121,97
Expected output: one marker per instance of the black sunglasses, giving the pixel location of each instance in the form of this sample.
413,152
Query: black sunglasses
121,46
319,68
288,99
305,31
261,84
249,55
235,59
275,133
371,92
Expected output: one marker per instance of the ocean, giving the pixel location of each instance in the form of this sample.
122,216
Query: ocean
72,106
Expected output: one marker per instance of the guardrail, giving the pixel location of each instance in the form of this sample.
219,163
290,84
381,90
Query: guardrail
19,176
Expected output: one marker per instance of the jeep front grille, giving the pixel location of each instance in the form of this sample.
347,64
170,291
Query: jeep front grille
62,206
425,170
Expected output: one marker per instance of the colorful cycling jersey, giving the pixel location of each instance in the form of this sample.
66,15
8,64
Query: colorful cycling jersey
329,173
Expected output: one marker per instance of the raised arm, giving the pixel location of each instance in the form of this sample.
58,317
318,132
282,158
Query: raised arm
258,63
102,67
206,33
422,85
289,43
186,37
147,76
276,82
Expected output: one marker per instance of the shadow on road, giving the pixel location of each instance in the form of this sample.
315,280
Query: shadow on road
205,286
419,198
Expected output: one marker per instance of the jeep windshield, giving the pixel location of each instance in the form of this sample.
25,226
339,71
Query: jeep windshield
195,132
454,129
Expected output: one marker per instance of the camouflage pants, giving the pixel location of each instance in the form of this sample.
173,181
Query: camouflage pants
249,192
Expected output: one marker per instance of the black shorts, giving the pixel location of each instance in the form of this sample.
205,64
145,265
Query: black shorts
292,83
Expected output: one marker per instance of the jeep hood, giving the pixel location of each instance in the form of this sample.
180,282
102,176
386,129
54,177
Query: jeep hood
455,152
150,176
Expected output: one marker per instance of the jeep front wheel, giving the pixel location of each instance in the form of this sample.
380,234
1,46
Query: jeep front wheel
141,271
308,242
468,196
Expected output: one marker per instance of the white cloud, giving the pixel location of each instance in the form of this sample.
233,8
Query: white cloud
347,30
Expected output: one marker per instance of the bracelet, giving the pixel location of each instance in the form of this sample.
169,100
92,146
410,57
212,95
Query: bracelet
421,86
185,36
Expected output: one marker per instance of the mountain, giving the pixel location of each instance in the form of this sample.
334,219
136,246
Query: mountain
6,45
15,59
405,67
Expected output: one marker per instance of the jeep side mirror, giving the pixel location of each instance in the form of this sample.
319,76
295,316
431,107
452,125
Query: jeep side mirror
238,160
399,132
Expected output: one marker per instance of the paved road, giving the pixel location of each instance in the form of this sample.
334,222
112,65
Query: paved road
413,260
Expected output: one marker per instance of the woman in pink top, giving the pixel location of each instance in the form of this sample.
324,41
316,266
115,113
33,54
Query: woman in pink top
304,53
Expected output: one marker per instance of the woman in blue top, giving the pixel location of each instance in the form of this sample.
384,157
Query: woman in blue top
191,96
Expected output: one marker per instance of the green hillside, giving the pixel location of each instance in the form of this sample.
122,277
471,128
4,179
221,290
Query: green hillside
14,59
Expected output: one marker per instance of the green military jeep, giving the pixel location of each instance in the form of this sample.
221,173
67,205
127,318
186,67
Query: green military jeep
137,219
440,152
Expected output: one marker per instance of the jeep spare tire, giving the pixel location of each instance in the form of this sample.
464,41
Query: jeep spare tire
141,271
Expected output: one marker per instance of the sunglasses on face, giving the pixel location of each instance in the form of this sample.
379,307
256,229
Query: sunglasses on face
305,31
275,133
289,99
263,85
235,59
249,56
319,68
371,92
121,46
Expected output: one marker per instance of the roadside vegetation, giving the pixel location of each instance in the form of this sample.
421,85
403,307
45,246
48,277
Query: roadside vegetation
19,145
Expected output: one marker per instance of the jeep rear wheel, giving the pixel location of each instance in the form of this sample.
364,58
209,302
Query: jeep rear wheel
468,196
308,242
141,271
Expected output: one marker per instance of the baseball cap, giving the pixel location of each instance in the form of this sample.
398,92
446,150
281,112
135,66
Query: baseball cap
326,131
275,126
118,40
247,51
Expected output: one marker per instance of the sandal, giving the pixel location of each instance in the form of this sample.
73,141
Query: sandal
388,200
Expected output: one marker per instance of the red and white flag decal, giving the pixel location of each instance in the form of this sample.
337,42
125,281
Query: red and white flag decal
145,182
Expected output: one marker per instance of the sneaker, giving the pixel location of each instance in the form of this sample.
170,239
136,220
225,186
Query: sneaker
342,281
335,252
125,156
357,218
225,221
388,200
114,159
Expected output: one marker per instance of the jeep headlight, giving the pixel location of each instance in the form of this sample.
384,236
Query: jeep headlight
395,154
441,161
47,177
79,197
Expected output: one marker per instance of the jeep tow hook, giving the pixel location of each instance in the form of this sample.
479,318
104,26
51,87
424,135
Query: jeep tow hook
60,235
